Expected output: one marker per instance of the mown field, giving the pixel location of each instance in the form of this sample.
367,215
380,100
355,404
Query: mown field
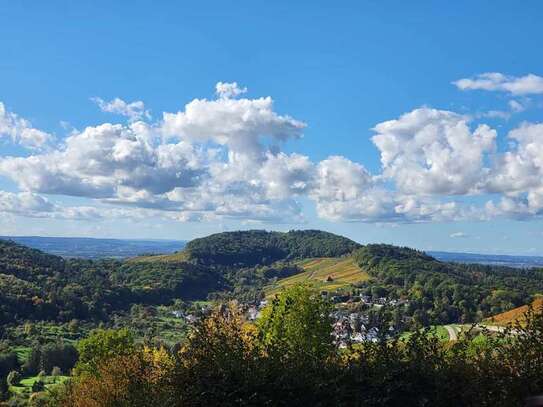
327,273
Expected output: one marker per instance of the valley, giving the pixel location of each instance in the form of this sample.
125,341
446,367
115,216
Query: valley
49,304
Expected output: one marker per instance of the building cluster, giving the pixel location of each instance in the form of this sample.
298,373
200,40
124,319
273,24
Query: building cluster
348,326
366,299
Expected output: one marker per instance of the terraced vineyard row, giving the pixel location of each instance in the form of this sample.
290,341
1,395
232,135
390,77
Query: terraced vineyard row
327,273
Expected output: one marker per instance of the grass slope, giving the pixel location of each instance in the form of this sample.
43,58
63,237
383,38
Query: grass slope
25,387
439,331
177,257
515,315
343,272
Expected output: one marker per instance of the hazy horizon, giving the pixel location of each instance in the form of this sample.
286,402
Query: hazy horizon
513,254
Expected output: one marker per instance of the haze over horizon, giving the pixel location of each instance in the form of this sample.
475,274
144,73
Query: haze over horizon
418,125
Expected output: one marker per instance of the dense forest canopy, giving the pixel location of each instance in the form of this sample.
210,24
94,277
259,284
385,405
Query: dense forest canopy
445,292
259,247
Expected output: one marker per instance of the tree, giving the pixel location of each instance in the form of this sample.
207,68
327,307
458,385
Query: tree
296,326
14,378
142,378
220,354
8,363
48,356
73,325
100,345
38,386
56,371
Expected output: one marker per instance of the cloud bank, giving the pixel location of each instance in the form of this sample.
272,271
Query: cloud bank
222,158
494,81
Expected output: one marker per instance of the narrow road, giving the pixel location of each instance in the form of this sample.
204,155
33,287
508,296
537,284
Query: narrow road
453,330
495,328
452,333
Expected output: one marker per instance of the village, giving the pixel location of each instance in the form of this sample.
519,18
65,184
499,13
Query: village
355,318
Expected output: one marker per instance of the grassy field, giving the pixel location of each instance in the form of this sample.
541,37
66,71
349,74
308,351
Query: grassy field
437,330
170,330
166,258
25,387
23,352
48,332
330,274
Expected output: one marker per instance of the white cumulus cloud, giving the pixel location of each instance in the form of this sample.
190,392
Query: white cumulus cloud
133,110
495,81
222,158
429,151
106,161
20,130
227,90
240,124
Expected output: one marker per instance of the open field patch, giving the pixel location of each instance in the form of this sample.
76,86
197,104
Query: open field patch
327,273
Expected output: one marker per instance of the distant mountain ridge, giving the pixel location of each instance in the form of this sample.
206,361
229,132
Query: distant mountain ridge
97,248
490,259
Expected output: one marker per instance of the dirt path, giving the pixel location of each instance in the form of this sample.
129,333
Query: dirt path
452,333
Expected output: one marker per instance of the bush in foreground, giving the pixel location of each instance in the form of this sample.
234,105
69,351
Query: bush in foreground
288,360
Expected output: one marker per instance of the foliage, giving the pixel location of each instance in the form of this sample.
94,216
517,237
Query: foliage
296,326
14,378
442,293
139,378
8,363
258,247
46,357
101,345
38,287
161,282
25,393
220,356
288,358
226,363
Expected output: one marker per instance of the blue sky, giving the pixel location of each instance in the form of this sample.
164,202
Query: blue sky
334,73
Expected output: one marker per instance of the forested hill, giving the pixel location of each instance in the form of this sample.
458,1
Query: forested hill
21,260
35,285
38,286
259,247
446,292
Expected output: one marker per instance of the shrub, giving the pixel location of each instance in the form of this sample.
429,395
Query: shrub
56,371
14,378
